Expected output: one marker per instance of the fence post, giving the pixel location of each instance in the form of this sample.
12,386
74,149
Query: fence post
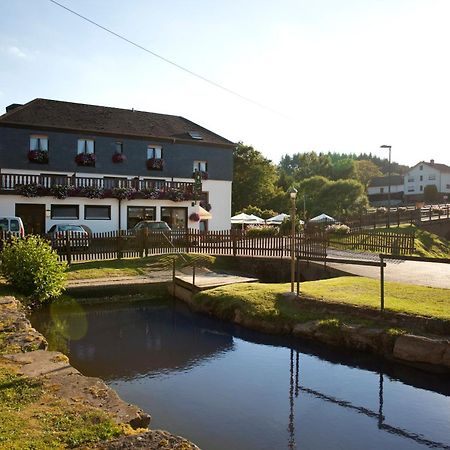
68,252
233,237
145,241
382,282
193,277
119,244
298,276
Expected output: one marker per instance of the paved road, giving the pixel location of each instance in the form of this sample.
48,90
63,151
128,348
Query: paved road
411,272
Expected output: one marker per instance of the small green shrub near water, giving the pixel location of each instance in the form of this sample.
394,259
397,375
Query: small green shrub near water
31,266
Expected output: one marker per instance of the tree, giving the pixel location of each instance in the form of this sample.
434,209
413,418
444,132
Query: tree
343,198
336,198
343,168
430,193
365,170
263,213
255,179
306,165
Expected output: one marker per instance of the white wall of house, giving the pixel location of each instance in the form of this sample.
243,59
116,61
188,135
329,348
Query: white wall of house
219,197
420,176
384,189
220,200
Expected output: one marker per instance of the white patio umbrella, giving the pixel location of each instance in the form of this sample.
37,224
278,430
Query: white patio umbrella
322,218
278,220
240,219
256,220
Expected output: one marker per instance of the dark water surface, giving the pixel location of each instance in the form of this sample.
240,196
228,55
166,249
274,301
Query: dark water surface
226,388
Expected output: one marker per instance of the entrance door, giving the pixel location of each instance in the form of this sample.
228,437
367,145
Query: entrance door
33,217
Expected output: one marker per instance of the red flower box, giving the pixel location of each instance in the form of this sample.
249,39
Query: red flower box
38,156
118,158
155,164
85,159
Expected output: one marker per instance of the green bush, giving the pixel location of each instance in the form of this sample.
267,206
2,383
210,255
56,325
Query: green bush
261,231
31,266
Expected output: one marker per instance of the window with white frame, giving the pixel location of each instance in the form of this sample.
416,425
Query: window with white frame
201,166
421,188
432,177
421,167
154,152
447,186
410,179
410,188
85,146
381,190
39,143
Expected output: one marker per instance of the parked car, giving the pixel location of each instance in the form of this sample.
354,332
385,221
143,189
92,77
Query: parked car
12,225
77,235
154,230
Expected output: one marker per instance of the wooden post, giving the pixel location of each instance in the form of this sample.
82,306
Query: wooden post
145,241
193,277
68,252
298,276
234,243
381,282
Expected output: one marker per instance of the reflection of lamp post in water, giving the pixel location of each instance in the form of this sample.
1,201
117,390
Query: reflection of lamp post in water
293,194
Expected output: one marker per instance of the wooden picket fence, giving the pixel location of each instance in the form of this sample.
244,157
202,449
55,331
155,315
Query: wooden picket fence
73,247
379,242
122,244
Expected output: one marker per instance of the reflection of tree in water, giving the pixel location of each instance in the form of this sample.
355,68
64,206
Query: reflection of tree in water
126,341
56,335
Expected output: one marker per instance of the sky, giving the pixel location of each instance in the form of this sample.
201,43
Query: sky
331,75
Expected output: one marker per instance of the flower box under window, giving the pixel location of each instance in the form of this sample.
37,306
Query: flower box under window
38,156
85,159
155,164
203,174
118,158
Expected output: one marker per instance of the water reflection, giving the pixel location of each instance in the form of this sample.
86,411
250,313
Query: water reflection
226,387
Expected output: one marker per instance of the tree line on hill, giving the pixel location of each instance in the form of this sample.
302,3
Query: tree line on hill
334,183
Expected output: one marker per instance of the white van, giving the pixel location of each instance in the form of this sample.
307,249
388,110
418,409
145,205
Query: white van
13,225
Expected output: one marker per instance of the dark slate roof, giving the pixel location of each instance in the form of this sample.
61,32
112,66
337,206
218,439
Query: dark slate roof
54,114
440,167
396,180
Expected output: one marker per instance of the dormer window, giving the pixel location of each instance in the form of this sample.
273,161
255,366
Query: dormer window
421,167
38,143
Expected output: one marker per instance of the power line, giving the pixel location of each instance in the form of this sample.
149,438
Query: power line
178,66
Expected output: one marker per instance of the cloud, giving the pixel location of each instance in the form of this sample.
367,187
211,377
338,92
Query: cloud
17,52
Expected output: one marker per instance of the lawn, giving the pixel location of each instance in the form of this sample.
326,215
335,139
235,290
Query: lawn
265,300
129,267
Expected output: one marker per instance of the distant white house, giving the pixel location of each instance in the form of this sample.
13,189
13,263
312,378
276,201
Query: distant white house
424,174
410,187
378,189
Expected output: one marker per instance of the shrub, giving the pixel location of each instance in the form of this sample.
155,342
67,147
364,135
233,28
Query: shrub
31,266
338,229
261,231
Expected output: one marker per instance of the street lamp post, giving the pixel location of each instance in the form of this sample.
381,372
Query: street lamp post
293,195
389,185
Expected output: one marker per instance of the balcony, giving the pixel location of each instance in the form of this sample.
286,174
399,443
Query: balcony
62,186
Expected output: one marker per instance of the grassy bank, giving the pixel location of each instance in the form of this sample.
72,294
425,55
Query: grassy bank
265,301
34,417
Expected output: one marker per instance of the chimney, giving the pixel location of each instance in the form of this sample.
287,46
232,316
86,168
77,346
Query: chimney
13,106
431,161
